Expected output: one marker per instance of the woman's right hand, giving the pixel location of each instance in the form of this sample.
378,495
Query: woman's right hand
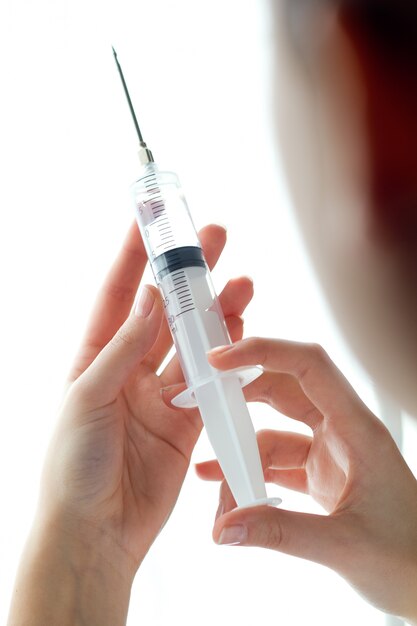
350,465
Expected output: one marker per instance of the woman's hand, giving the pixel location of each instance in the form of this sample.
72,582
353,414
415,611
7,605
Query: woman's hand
119,455
350,465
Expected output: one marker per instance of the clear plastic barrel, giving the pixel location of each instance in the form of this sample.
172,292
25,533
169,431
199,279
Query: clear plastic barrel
197,325
195,318
162,213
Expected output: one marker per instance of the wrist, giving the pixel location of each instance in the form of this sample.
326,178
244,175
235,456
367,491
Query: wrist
70,574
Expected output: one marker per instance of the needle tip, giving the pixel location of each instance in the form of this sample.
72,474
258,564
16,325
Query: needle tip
114,52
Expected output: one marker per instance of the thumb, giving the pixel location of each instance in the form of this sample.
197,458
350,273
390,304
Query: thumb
105,377
318,538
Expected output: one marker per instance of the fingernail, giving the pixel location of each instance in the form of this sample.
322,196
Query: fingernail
144,302
221,225
248,278
220,350
233,535
168,393
220,510
165,395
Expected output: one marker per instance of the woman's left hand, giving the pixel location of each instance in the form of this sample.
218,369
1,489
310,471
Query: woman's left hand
120,454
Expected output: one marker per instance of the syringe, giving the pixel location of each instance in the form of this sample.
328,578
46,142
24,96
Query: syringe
197,324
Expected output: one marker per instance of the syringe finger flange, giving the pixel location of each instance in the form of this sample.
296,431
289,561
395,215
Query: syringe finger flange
246,375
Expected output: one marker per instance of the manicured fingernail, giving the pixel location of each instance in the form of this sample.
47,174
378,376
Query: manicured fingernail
220,350
220,510
144,302
233,535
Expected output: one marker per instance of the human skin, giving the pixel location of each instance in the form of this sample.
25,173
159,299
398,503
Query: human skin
350,465
118,457
346,122
84,549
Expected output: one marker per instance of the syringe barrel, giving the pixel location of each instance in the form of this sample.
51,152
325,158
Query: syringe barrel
162,213
194,315
197,324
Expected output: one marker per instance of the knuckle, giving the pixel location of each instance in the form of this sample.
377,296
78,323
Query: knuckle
317,352
253,342
123,336
268,389
271,535
258,347
313,355
121,293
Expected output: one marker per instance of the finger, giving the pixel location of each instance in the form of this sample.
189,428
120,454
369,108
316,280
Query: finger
283,457
105,377
116,297
114,300
209,470
234,326
236,295
322,539
172,374
318,377
283,392
277,449
226,500
294,479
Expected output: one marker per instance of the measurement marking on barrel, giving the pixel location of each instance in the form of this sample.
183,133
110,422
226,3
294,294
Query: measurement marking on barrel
186,311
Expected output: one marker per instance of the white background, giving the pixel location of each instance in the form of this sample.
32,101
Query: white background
200,77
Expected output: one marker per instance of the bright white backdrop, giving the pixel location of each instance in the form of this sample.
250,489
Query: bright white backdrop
200,77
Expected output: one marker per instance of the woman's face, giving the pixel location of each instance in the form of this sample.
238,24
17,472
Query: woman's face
346,103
